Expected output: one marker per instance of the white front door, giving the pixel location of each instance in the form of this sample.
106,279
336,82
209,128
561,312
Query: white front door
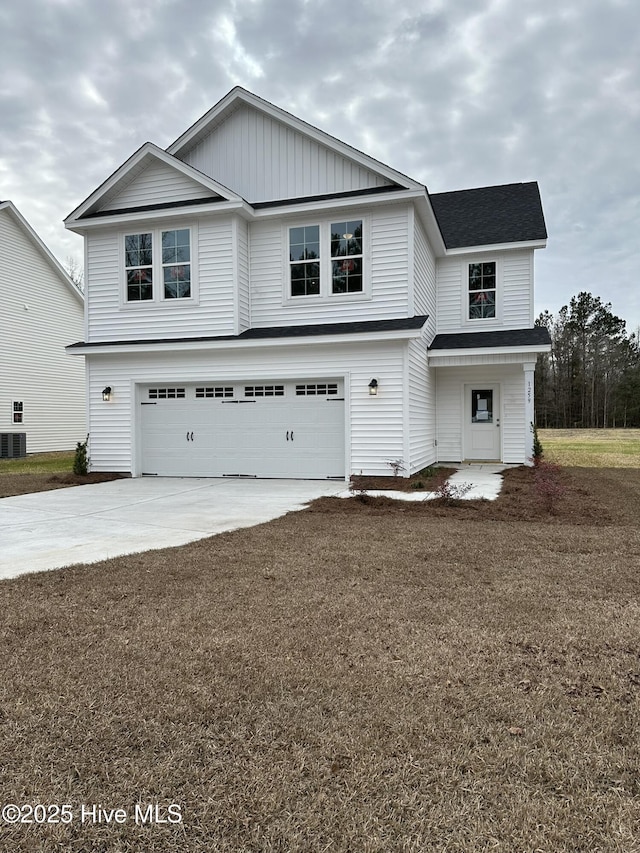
482,423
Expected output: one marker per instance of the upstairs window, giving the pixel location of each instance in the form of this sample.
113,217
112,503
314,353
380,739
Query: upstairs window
482,291
158,265
176,264
346,257
304,257
138,251
326,259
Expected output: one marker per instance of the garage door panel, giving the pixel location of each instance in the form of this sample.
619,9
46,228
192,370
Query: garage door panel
280,434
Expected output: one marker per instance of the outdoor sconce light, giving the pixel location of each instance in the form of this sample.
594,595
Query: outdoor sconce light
373,387
106,394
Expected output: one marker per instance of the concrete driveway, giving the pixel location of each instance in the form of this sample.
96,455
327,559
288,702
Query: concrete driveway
84,524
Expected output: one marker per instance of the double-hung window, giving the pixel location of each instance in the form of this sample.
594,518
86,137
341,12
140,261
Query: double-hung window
18,412
327,259
158,265
482,291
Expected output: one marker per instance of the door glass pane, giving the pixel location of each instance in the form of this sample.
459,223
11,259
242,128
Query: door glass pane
482,407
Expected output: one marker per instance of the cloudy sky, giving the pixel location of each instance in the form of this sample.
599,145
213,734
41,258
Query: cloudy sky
454,93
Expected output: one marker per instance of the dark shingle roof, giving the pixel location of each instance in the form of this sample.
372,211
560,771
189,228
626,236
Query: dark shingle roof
275,332
511,213
539,335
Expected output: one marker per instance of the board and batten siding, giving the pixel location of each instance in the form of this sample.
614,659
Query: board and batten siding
515,292
262,159
157,182
374,425
41,315
421,408
389,268
213,312
450,405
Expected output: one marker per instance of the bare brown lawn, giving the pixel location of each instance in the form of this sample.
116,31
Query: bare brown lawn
363,676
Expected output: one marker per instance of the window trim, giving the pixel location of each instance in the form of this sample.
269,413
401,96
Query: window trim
17,411
157,266
326,295
481,321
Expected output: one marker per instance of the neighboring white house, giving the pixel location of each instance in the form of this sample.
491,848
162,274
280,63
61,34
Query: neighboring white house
42,388
264,300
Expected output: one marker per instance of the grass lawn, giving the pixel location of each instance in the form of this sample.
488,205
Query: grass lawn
597,448
363,676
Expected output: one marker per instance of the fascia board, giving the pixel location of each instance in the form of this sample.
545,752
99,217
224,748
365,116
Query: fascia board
148,150
497,247
112,219
435,355
257,343
42,249
239,94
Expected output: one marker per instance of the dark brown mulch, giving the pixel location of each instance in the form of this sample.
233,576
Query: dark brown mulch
520,500
25,484
426,482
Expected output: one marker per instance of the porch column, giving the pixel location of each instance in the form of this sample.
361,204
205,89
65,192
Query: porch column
529,411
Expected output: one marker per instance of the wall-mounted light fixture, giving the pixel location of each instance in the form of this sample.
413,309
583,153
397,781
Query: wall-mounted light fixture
373,387
106,394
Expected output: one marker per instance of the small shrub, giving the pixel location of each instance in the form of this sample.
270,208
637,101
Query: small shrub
450,493
81,458
548,484
396,466
537,446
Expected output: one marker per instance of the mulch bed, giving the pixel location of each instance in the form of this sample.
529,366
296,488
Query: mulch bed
25,484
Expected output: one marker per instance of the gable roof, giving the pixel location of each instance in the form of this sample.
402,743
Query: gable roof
98,203
239,97
12,211
510,213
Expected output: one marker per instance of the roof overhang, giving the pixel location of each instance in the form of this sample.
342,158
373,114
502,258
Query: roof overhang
496,247
351,333
457,357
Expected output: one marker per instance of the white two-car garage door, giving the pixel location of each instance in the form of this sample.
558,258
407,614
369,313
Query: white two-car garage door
276,429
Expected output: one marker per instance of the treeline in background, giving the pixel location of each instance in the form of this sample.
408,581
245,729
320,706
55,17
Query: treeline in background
591,377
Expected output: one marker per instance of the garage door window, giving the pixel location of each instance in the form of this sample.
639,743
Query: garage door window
214,391
264,391
166,393
321,389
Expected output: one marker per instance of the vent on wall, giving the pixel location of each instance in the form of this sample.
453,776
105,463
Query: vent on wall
13,444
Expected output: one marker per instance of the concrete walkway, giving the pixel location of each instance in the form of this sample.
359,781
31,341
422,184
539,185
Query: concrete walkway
476,481
83,524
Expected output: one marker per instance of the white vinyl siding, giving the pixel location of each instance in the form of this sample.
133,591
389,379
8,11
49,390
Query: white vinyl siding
110,318
40,316
421,404
374,425
514,292
261,159
388,267
242,275
424,278
450,383
158,183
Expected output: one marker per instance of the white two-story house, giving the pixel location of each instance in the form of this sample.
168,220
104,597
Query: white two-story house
264,300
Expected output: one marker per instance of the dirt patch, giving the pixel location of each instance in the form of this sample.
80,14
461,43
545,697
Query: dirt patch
24,484
426,481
